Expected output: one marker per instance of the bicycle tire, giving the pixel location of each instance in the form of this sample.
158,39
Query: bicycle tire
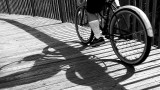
130,41
83,30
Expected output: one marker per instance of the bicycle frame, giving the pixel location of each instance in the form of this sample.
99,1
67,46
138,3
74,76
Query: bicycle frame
109,7
119,25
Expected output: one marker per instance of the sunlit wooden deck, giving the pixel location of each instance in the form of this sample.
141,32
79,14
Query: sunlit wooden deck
45,54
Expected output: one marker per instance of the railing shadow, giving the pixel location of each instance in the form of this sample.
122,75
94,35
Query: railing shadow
46,65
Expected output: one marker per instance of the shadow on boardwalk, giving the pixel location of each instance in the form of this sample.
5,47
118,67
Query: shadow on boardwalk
90,73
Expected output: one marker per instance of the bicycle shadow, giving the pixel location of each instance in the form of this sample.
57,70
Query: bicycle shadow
45,65
91,74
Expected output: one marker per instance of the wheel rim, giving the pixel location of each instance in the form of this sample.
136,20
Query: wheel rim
130,48
84,32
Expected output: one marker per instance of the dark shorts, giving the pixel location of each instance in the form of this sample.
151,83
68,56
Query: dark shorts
95,6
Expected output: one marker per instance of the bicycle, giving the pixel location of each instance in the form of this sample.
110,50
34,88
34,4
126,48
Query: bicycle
127,27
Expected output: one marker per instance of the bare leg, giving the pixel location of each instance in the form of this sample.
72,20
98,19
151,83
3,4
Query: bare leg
94,24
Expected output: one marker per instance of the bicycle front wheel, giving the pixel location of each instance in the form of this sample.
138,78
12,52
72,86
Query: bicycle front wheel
83,30
129,37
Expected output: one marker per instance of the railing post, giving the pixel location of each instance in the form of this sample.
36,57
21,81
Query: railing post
159,35
7,3
154,9
61,10
32,7
141,4
147,8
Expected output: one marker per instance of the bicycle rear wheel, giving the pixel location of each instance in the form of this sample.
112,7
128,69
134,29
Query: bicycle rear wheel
83,30
129,37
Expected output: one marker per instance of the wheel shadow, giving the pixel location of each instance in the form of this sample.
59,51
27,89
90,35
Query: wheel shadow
91,74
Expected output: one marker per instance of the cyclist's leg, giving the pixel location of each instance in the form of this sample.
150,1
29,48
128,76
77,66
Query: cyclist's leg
93,7
94,24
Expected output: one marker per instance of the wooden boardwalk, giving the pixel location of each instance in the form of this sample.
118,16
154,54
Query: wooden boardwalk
44,54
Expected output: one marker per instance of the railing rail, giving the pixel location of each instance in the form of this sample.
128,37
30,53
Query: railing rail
64,10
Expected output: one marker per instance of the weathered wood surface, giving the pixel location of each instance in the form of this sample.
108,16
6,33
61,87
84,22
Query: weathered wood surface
45,54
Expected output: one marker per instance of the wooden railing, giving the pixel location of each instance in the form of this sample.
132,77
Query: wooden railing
64,10
57,9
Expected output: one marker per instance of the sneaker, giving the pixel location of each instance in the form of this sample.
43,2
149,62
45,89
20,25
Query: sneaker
97,42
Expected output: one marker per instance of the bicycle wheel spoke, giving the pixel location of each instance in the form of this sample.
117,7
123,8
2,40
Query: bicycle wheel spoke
129,37
82,27
84,32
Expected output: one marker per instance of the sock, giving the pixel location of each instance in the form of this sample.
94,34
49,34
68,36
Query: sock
95,27
117,2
